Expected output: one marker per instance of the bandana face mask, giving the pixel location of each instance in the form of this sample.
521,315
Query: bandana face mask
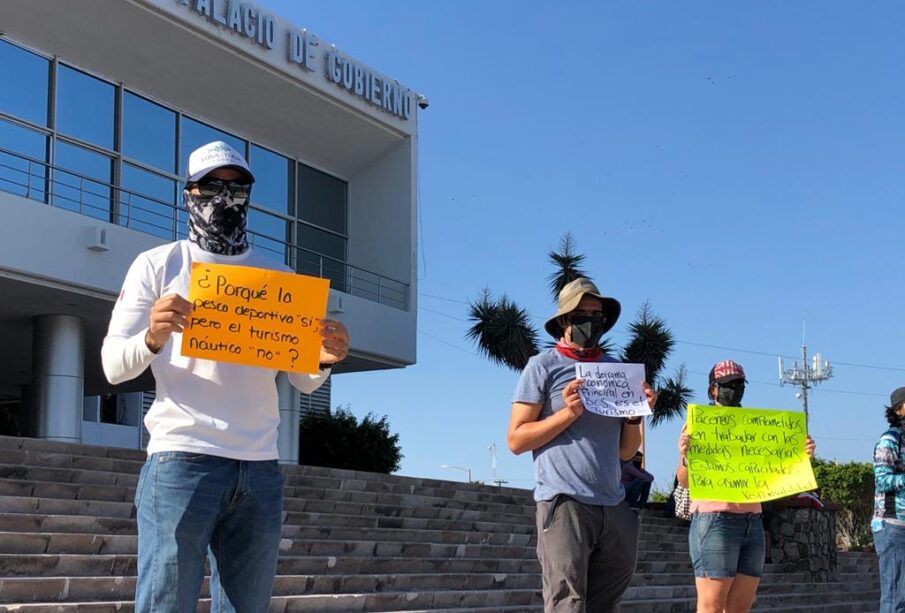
587,330
217,223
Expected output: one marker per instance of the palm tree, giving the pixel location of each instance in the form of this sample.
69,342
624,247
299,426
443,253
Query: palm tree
650,344
567,264
503,333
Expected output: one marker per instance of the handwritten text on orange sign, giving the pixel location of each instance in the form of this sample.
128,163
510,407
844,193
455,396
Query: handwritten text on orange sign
255,316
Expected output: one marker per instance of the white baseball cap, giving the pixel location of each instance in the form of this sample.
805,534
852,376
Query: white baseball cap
212,156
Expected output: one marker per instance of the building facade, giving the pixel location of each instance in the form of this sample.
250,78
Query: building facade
101,104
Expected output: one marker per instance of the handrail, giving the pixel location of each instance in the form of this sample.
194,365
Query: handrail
126,207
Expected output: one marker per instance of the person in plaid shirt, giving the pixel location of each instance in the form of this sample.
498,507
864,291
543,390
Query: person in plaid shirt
888,524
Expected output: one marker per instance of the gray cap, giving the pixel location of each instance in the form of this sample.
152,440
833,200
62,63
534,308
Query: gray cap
897,397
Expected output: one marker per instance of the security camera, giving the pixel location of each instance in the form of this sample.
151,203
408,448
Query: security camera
423,102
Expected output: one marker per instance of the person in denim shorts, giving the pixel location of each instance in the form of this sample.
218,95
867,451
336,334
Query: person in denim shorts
726,540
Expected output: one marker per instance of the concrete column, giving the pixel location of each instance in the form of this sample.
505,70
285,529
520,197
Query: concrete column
288,434
58,377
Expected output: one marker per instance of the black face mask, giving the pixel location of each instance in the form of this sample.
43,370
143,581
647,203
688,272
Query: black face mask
587,330
730,396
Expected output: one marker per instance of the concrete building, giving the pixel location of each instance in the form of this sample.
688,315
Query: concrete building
101,103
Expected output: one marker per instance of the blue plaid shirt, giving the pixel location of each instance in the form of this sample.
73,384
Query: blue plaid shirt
889,477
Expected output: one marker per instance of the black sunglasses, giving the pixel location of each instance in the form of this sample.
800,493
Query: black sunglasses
583,319
215,187
734,385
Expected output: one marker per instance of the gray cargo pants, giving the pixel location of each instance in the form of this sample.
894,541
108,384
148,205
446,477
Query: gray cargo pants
587,554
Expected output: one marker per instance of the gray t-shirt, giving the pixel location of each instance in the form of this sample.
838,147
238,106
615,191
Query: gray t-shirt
583,461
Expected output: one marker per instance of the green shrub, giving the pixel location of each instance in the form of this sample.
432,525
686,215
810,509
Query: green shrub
850,487
339,440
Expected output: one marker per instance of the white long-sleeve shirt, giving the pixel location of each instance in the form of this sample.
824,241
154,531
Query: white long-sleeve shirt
202,406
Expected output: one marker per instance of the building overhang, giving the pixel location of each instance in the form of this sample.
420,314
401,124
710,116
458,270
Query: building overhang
170,52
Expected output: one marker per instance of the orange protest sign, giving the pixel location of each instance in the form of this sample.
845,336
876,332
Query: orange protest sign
255,316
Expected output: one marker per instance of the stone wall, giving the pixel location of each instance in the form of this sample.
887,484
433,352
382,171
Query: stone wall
803,540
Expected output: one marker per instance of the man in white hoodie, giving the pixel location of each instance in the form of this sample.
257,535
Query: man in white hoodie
211,486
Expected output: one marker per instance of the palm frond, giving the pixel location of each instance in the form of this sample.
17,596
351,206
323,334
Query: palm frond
673,397
650,344
502,331
567,263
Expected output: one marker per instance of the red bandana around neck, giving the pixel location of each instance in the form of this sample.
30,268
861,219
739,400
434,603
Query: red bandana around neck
581,355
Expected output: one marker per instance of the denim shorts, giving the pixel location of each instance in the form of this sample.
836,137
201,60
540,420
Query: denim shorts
726,544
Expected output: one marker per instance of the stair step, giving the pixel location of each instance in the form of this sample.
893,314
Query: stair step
406,601
70,607
830,602
132,459
29,590
352,541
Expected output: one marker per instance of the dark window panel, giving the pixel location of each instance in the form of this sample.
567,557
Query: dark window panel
89,193
147,202
182,219
149,133
19,175
315,244
271,170
268,234
322,199
25,76
194,134
85,107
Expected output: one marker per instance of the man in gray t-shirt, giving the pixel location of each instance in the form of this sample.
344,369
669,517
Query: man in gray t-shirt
587,535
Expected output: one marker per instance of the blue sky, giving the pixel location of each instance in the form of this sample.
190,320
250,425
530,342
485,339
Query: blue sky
737,164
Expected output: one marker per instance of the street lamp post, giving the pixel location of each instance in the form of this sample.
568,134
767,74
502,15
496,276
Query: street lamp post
467,470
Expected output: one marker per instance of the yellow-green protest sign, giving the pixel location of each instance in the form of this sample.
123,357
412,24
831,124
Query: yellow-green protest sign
255,316
746,455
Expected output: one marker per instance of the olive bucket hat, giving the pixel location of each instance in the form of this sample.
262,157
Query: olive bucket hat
571,295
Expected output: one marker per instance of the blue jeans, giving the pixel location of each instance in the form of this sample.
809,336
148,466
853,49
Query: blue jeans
890,544
192,505
727,544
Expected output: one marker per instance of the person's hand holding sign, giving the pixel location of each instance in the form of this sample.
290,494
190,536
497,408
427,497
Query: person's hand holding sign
810,446
684,443
572,398
169,314
335,343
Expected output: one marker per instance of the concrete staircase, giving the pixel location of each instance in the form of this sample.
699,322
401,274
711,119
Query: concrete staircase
351,542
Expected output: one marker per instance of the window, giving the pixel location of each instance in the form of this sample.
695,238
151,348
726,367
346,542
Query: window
147,202
19,175
269,234
85,107
86,189
149,133
26,77
271,171
322,202
314,245
195,134
182,220
322,199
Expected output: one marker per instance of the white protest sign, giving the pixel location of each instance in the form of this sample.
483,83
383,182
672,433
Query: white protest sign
612,389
